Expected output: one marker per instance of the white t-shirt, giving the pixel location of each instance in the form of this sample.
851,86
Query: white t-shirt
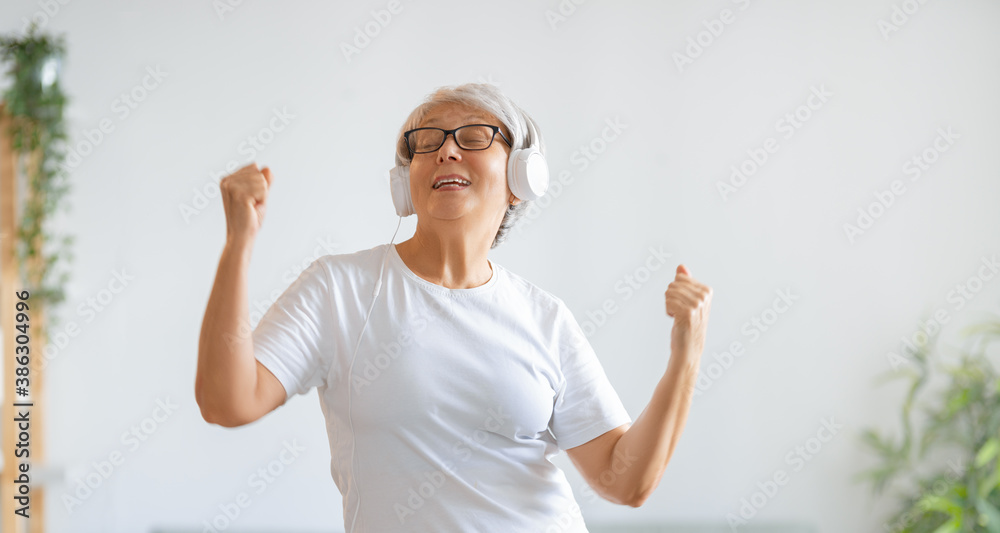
460,396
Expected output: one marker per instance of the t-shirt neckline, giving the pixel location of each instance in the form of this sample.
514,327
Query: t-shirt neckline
441,289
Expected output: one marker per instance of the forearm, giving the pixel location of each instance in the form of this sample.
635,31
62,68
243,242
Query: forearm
227,370
641,454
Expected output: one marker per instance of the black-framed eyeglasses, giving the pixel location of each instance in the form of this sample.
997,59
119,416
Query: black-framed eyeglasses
468,137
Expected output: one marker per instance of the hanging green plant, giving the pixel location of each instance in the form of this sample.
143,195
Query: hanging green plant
35,104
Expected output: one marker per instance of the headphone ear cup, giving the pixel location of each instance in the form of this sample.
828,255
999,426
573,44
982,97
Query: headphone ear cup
399,185
527,173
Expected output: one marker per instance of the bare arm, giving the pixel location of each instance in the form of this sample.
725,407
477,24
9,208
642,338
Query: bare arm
626,464
231,387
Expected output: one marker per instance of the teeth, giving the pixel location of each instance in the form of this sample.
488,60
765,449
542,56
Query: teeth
446,182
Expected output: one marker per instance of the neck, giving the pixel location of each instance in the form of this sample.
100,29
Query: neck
451,257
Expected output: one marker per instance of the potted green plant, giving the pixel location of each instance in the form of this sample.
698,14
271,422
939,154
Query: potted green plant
35,102
961,422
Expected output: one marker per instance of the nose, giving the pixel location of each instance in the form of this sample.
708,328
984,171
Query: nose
449,150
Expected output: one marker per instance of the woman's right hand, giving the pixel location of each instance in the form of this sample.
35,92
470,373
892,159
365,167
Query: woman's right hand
244,198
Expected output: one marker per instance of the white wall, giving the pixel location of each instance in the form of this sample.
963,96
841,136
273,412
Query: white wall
653,186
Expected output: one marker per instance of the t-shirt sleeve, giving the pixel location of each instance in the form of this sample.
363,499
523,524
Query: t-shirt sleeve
586,405
293,338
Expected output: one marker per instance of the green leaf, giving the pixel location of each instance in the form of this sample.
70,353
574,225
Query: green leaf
987,452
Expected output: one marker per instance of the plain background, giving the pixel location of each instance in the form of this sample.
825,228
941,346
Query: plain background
654,186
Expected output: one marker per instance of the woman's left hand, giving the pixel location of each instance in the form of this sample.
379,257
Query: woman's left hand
689,303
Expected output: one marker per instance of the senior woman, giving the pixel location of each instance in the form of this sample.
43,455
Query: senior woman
447,381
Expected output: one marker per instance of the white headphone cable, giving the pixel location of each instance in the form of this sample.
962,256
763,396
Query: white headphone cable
378,287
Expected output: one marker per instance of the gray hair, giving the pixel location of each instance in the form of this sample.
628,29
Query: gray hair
522,129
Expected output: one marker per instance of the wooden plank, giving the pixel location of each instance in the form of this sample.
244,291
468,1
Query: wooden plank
10,283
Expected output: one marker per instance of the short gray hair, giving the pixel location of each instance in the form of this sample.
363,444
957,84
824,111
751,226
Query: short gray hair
523,130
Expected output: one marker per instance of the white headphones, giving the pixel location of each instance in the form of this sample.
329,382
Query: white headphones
528,178
527,175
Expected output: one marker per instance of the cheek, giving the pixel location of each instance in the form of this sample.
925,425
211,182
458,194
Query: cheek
418,173
500,171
